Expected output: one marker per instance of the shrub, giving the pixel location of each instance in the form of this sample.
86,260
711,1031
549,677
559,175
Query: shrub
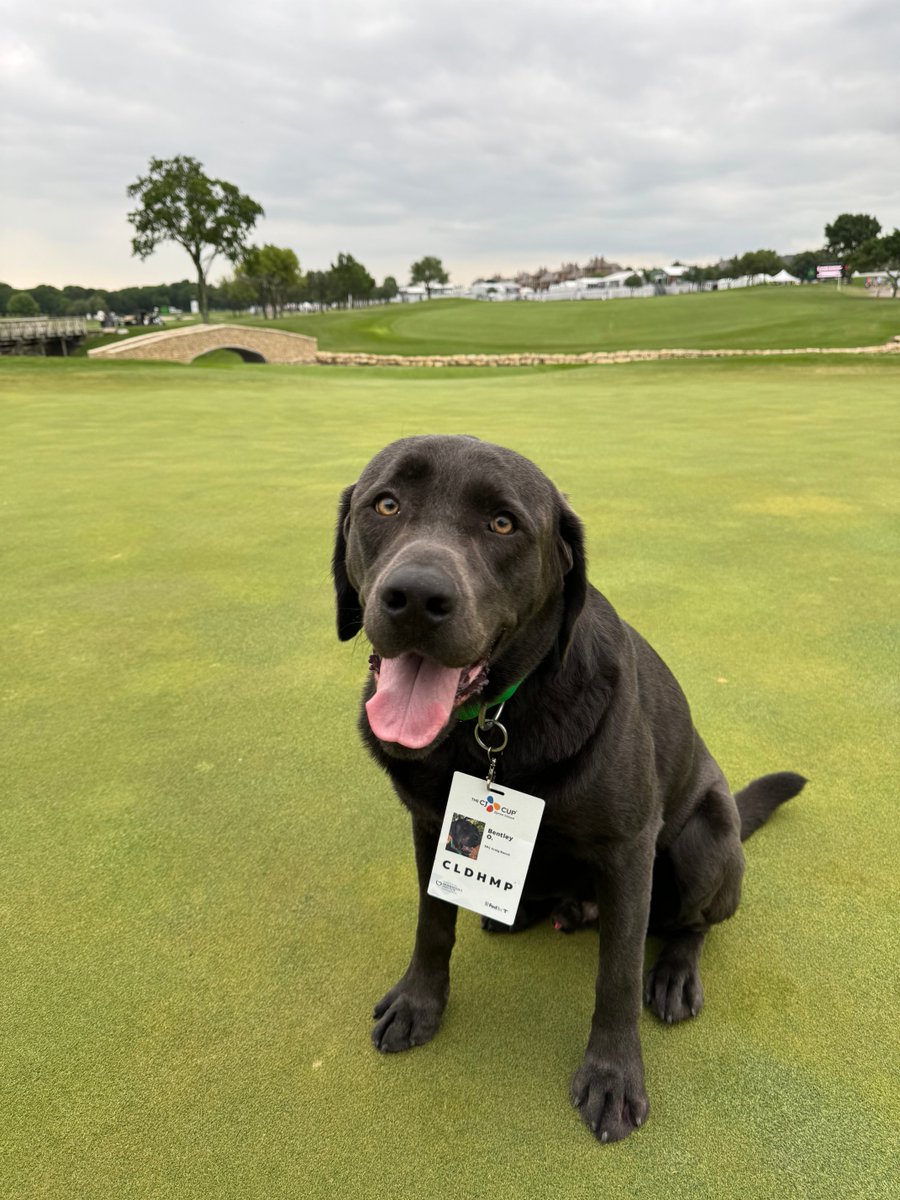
21,304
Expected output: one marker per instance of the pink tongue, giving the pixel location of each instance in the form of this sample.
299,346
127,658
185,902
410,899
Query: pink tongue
414,700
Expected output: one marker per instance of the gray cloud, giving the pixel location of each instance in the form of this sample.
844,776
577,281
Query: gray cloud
496,134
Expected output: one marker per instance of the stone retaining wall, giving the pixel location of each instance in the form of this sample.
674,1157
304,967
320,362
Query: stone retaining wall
332,359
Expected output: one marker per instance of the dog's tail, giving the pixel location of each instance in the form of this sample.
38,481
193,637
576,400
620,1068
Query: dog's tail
759,799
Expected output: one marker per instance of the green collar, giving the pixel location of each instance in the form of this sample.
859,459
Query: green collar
470,711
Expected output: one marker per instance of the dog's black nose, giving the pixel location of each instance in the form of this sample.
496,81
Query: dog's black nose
415,594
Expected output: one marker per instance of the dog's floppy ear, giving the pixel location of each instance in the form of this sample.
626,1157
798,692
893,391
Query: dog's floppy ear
349,609
574,561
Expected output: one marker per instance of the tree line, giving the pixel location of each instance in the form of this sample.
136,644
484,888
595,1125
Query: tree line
852,240
268,277
210,218
176,201
74,301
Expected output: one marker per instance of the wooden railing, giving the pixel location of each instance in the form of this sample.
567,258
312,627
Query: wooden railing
39,329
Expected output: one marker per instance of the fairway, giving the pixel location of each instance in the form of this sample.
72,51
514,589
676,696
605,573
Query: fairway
206,883
752,318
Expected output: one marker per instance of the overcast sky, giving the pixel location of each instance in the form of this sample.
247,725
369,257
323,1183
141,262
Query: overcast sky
496,134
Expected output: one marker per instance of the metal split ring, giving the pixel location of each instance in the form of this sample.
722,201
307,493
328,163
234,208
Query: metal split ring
485,723
492,749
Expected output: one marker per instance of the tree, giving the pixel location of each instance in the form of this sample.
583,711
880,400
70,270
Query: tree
317,286
5,292
207,217
348,280
634,281
21,304
759,262
388,289
273,272
238,292
848,232
880,254
49,299
428,270
181,294
804,264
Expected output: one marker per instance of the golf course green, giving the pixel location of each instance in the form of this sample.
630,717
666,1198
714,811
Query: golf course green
751,318
206,883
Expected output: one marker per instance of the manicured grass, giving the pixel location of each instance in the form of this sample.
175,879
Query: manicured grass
206,883
769,317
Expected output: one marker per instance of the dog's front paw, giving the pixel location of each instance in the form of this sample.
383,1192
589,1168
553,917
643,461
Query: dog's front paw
407,1017
610,1096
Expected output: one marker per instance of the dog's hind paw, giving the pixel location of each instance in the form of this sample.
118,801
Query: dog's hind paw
530,912
674,991
570,915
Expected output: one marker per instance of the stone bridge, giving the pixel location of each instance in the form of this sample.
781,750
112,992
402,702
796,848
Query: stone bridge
252,342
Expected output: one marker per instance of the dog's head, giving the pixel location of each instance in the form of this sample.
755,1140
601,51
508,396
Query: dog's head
465,566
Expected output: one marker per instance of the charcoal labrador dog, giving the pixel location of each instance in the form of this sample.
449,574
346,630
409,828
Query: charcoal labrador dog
465,567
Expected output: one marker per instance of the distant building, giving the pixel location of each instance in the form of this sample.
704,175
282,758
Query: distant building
600,267
495,289
668,275
589,287
614,279
542,279
414,292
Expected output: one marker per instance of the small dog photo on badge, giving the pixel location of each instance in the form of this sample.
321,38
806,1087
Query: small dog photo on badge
465,836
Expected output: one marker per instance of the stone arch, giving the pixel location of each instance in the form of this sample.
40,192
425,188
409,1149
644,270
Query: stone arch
249,356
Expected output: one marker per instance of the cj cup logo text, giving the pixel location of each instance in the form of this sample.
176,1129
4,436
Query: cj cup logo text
491,804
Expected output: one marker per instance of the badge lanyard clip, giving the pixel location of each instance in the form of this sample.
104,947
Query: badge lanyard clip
486,724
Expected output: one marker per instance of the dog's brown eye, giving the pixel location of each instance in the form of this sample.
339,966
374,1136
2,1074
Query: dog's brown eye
387,506
503,523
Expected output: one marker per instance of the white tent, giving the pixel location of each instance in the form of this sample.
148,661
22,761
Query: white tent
783,276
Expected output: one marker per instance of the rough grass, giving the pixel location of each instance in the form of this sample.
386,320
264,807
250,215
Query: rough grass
759,318
206,884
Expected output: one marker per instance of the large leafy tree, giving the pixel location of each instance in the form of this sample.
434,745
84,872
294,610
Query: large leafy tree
428,270
177,202
274,274
348,280
847,233
880,254
760,262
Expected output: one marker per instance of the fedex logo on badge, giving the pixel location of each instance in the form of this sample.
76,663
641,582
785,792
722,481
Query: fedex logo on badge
491,804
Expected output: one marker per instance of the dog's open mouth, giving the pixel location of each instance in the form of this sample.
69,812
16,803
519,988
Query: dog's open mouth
416,696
